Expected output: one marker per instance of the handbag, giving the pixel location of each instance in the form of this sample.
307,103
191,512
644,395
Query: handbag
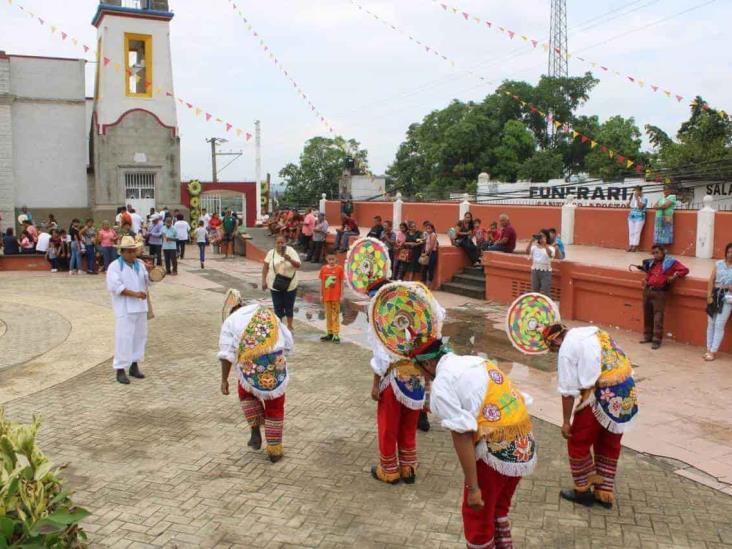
281,283
424,259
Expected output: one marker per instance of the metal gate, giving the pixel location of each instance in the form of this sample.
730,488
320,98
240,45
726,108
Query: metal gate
212,203
140,191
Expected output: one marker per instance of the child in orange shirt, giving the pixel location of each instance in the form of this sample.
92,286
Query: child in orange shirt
331,277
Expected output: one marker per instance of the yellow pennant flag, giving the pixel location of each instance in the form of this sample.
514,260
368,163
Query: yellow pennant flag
524,38
10,1
198,111
722,114
238,132
53,29
137,78
557,124
158,90
117,67
611,153
667,181
593,144
569,55
668,93
74,41
574,134
219,120
628,163
545,46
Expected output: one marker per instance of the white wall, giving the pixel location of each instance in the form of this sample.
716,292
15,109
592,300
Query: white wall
364,186
49,132
112,101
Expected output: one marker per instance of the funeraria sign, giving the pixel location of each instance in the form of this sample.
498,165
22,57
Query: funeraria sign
581,192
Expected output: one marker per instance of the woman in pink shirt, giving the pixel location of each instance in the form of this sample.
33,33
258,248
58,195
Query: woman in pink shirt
306,233
107,239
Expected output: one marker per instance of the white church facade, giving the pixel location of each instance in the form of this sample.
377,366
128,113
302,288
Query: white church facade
74,156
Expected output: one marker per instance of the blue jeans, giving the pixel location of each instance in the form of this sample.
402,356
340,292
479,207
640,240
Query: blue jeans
341,242
715,327
109,254
284,303
90,258
202,251
75,261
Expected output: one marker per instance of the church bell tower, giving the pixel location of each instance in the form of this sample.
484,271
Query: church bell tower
135,148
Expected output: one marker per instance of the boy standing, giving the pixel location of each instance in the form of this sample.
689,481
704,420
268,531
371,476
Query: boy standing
331,278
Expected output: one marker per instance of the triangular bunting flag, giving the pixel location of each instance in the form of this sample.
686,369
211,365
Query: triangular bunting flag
603,148
238,132
63,35
611,153
53,29
41,21
198,111
511,34
534,43
248,136
679,98
208,117
621,158
117,67
169,94
574,134
631,78
189,105
228,126
654,88
466,15
557,124
628,163
584,139
107,61
638,168
86,48
593,144
668,93
219,120
489,24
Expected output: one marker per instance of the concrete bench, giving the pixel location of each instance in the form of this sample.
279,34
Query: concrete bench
24,262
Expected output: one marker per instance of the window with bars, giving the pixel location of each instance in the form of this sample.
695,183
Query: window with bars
139,185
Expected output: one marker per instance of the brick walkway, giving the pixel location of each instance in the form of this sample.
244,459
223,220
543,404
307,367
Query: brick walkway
164,463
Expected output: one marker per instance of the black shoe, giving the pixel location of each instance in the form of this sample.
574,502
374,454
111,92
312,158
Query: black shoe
275,458
201,264
409,478
255,441
135,371
581,498
328,337
605,504
645,341
655,345
122,377
423,424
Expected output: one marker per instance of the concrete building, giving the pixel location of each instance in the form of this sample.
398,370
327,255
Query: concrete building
74,156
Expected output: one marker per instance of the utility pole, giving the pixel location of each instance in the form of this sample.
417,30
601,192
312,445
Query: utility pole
258,165
214,141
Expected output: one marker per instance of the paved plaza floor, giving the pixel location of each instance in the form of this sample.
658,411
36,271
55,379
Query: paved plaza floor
163,462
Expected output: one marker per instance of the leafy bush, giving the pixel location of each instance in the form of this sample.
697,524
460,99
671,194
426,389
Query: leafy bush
35,510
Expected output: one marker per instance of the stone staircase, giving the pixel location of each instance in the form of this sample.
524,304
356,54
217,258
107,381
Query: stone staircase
470,282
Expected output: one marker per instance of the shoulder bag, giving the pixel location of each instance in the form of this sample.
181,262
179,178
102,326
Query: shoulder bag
281,283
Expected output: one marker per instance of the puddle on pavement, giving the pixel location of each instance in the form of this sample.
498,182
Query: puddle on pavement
472,329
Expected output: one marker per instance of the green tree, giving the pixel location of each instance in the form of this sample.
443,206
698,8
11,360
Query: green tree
543,165
321,165
620,135
703,140
517,145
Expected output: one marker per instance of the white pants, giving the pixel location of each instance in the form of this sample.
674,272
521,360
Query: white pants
715,328
635,228
130,336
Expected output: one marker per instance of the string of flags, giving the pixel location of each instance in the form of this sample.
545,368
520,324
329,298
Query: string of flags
534,43
627,163
271,55
108,63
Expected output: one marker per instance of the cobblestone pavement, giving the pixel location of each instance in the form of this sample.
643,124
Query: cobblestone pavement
163,462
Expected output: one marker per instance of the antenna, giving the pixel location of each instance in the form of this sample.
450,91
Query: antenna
558,65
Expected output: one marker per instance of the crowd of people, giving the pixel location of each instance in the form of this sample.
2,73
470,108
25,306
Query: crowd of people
92,245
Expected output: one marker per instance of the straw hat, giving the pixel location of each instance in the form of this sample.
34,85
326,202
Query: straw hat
127,243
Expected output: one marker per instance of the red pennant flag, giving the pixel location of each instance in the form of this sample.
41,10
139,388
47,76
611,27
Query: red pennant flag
427,48
489,24
169,94
621,158
679,98
659,179
147,84
655,88
584,139
444,6
208,117
603,68
63,35
189,105
516,97
233,5
631,78
603,148
532,108
249,136
107,61
86,48
228,126
705,107
41,20
534,43
511,34
557,50
638,168
466,15
581,58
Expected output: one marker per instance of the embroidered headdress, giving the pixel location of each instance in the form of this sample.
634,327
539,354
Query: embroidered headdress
526,320
367,265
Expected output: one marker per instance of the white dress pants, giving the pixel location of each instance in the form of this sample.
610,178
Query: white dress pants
130,336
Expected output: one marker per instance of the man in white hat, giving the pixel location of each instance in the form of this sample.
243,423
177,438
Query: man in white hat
127,281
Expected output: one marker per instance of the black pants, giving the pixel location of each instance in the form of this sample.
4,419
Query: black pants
171,259
316,251
181,246
428,271
284,303
470,249
156,250
654,305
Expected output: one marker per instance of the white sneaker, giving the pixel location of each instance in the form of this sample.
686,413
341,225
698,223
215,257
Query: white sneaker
54,270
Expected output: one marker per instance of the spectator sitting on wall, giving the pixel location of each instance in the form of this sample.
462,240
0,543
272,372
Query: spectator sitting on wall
388,237
377,229
507,241
493,233
42,242
463,238
32,231
348,229
347,207
24,211
50,224
10,243
553,239
480,235
27,245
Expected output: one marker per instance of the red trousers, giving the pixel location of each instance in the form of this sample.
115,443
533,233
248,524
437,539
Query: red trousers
270,413
397,429
588,434
489,527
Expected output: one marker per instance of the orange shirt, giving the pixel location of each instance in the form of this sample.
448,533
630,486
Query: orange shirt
331,282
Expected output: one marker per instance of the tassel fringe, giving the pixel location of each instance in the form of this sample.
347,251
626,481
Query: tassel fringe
608,423
510,432
510,469
402,398
265,395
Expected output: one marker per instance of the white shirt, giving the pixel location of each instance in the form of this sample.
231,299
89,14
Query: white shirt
278,265
182,229
205,218
120,276
234,326
136,222
540,260
43,240
458,391
579,362
201,233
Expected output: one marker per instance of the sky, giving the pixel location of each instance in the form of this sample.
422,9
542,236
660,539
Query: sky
371,82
